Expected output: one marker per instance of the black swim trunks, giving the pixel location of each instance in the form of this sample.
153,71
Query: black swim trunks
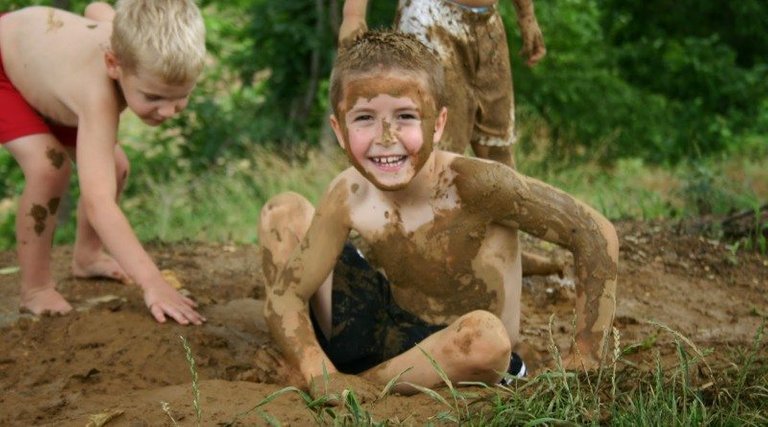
368,327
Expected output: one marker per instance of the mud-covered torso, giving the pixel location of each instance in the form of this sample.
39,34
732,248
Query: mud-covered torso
441,257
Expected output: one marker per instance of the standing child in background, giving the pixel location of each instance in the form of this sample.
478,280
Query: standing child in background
444,270
64,81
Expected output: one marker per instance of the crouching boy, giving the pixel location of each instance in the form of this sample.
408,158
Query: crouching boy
64,81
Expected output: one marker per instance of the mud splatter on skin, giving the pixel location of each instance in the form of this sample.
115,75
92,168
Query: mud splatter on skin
552,215
53,205
91,26
55,156
39,213
53,22
286,311
268,266
445,284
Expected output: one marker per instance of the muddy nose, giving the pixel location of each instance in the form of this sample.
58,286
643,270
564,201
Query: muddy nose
387,137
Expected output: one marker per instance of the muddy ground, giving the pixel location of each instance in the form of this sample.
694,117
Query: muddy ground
110,357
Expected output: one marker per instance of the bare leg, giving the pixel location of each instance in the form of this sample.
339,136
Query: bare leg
89,258
46,168
284,220
473,348
537,265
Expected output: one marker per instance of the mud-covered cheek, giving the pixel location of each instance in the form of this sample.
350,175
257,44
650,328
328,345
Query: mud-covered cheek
427,133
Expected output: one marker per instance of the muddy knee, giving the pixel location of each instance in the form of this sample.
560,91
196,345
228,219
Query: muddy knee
283,221
481,345
283,216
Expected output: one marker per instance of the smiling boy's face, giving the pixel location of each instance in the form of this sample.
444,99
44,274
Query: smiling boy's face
388,125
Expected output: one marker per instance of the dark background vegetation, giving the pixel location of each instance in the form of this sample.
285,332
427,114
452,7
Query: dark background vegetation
660,81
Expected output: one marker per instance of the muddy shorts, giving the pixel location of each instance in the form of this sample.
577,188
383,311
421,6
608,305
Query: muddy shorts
368,327
472,45
18,118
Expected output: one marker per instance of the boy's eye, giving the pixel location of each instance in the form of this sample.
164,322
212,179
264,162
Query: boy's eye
408,116
152,98
362,118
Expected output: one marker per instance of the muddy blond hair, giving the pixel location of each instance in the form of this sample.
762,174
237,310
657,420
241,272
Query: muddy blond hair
163,37
378,51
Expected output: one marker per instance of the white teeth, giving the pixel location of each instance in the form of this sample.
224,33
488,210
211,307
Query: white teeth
388,160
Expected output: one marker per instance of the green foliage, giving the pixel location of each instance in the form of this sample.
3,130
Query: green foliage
662,80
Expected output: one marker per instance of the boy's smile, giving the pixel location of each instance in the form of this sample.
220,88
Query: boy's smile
388,127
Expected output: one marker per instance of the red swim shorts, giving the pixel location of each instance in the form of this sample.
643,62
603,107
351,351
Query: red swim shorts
18,118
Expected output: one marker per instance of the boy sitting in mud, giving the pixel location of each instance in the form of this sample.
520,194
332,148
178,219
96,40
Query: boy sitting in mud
64,81
441,229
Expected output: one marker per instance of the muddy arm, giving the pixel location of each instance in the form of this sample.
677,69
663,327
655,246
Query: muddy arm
555,216
533,49
353,21
552,215
286,309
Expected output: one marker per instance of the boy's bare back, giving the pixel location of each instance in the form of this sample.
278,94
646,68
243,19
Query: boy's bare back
56,60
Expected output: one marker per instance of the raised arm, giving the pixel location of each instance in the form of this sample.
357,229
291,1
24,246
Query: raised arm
286,309
353,21
553,215
533,49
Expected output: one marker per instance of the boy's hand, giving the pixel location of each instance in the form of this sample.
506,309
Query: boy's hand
162,300
533,42
581,358
335,384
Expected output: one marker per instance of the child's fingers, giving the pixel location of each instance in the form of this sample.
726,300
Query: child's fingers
157,312
176,314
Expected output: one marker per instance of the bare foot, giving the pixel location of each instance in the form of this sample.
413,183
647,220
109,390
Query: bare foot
102,267
43,301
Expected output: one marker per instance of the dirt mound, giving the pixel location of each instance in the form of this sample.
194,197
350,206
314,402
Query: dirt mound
110,357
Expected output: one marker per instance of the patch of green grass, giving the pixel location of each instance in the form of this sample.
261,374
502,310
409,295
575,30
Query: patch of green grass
688,392
223,203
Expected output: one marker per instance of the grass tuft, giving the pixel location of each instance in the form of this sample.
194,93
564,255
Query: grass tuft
195,384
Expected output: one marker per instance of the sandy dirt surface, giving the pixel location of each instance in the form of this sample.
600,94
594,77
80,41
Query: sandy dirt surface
110,357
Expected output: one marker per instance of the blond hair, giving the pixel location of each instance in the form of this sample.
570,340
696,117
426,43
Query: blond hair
165,38
380,51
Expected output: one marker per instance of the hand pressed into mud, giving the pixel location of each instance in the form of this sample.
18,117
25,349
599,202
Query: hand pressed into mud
162,300
103,266
578,361
334,385
44,301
